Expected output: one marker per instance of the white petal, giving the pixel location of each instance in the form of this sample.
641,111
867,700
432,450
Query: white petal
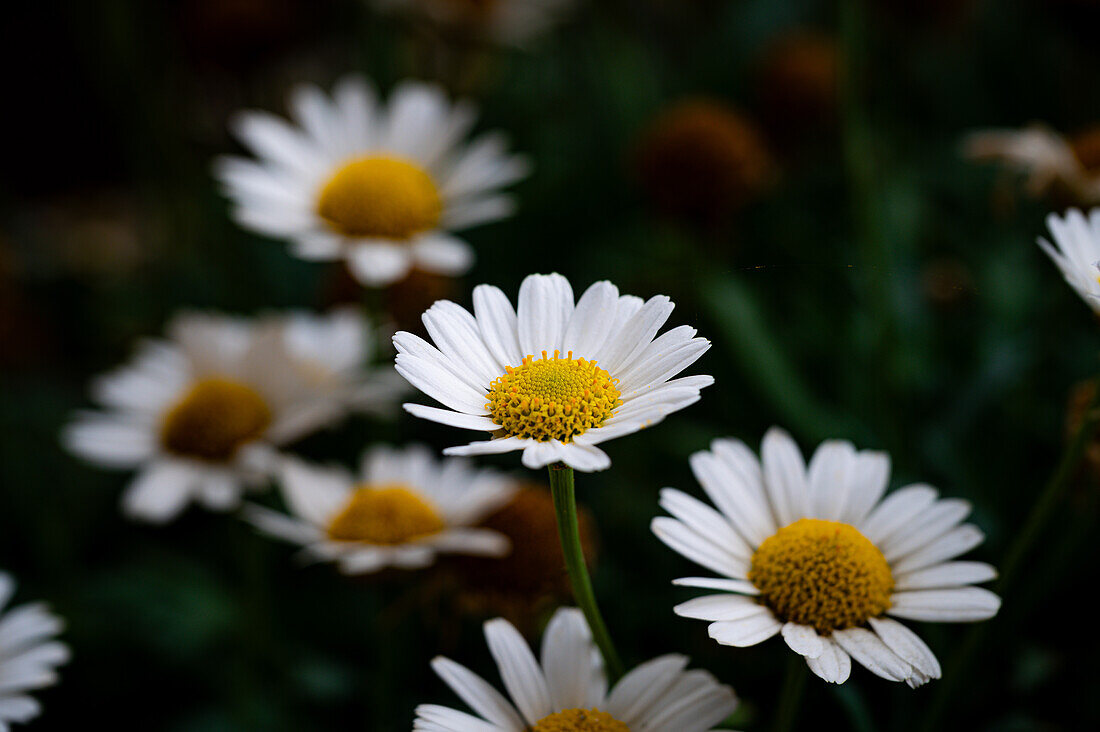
540,454
686,541
867,485
497,321
452,418
707,522
108,440
519,670
803,640
956,605
314,493
747,631
379,264
585,458
949,574
907,645
896,511
955,542
489,447
160,492
629,341
833,665
926,528
442,253
545,304
784,476
478,694
591,321
643,684
828,476
441,385
743,587
869,650
717,607
570,660
455,333
732,478
434,718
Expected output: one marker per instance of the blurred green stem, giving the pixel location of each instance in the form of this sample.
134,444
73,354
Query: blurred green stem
565,507
1049,499
790,697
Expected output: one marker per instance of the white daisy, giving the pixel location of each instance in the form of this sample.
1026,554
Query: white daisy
382,186
815,553
551,378
1076,251
200,414
403,509
567,690
507,22
28,655
1045,158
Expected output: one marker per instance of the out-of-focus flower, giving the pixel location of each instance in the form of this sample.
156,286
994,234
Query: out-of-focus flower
1080,399
816,554
567,688
403,510
798,84
381,186
701,160
200,414
600,374
506,22
533,573
29,655
1050,163
1076,251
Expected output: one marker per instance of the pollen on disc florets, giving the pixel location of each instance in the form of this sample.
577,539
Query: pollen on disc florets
380,197
579,720
214,419
385,514
824,574
552,398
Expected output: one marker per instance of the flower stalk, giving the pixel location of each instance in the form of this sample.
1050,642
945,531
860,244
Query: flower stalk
565,509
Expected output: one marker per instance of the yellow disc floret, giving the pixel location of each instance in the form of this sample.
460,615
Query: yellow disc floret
824,574
552,398
579,720
385,514
380,197
213,419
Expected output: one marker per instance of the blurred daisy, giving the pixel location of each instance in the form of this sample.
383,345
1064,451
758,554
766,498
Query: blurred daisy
1049,161
567,689
200,414
551,378
507,22
1076,251
816,554
380,186
701,160
403,509
28,655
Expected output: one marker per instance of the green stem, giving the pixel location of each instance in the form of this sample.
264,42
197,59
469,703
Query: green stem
1051,496
790,697
565,507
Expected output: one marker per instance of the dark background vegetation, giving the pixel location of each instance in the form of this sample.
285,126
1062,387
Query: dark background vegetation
882,290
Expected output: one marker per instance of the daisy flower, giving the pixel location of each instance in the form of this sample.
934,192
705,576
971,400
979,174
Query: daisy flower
551,378
380,186
403,509
567,688
28,655
816,554
506,22
1076,251
1049,161
199,415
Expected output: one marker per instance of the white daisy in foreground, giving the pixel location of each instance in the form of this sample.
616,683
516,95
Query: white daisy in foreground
403,509
200,414
551,378
507,22
815,553
1045,158
381,186
28,655
1076,251
567,690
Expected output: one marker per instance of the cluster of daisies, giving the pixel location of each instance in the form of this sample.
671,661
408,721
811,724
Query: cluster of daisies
819,552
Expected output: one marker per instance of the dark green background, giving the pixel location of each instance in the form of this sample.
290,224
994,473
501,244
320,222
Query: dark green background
815,300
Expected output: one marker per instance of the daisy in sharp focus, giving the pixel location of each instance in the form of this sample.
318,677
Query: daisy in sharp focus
382,186
551,378
403,509
507,22
816,554
566,690
200,414
29,656
1076,251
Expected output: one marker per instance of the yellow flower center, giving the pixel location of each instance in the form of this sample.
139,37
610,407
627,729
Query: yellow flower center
824,574
579,720
380,197
385,514
214,419
552,398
